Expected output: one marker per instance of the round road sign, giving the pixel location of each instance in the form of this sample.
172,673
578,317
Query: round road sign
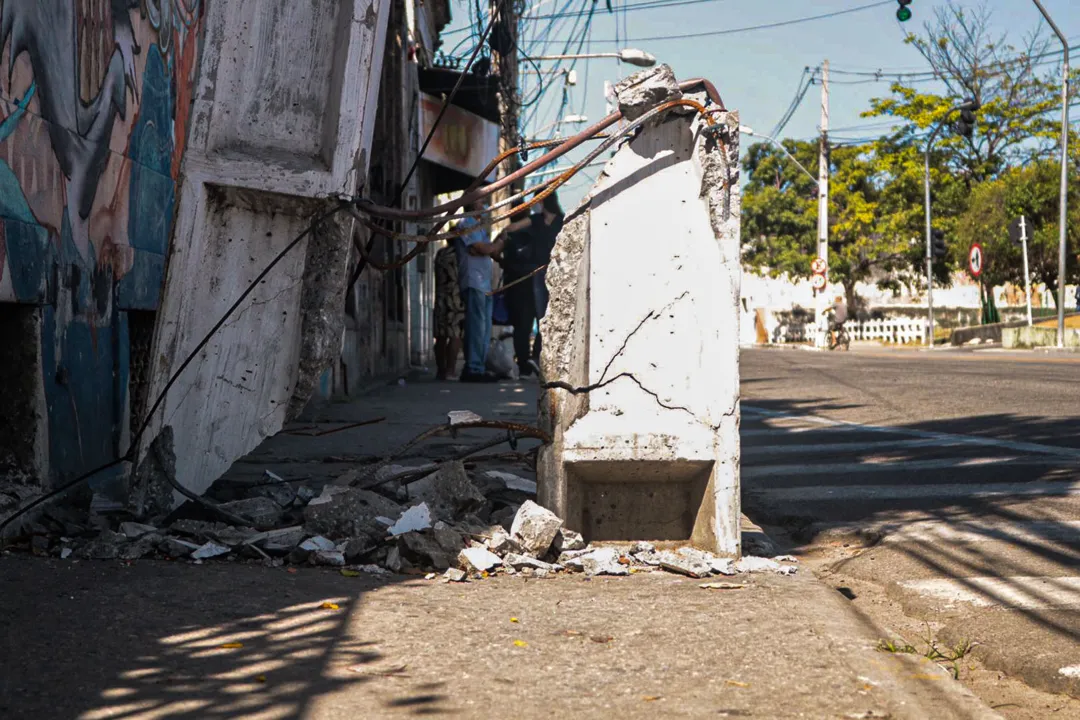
818,282
819,266
975,260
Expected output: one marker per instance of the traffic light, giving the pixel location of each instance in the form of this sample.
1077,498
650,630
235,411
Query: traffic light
938,243
966,125
903,13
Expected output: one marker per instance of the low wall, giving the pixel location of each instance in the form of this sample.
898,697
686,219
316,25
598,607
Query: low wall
1031,337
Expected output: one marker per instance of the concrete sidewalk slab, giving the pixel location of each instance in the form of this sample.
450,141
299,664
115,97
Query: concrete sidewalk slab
170,640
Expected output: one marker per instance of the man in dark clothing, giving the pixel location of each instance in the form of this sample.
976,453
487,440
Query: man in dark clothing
518,260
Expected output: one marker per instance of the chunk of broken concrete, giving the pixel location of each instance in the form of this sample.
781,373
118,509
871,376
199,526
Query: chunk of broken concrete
723,566
448,492
645,89
280,492
317,543
202,530
535,528
105,547
346,512
277,541
132,530
513,482
604,561
478,559
232,536
261,511
501,543
330,558
209,550
457,417
449,539
416,518
454,575
518,562
682,563
753,564
568,540
176,548
427,550
140,548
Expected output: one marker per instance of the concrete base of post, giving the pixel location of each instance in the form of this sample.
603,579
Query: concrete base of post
643,324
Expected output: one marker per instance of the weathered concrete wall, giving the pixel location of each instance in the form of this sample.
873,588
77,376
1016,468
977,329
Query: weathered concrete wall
282,122
1032,337
94,102
644,288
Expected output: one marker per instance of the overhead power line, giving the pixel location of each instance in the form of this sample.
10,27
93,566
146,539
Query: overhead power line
749,28
626,7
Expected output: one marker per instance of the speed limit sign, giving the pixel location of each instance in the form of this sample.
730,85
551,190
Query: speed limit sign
819,266
818,282
975,260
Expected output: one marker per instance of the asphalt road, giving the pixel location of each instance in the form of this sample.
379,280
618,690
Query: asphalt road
956,473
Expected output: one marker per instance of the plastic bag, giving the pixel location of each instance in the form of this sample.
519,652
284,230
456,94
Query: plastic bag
500,358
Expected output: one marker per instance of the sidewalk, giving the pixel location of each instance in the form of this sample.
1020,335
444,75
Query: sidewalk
178,640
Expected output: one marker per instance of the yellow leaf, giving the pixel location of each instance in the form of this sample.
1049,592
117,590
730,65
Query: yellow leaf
232,646
513,620
736,683
521,643
329,606
651,698
350,573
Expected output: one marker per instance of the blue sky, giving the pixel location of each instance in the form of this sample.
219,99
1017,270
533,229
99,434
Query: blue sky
757,72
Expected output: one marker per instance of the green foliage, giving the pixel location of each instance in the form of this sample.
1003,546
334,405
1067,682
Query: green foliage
876,206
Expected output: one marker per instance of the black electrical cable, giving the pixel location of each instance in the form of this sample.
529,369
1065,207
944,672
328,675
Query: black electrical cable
363,262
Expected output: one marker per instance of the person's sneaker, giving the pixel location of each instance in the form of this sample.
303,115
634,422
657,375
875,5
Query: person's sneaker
525,370
471,377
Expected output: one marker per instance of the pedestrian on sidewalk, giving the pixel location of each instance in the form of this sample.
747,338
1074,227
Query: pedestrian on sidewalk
449,312
519,261
545,228
475,251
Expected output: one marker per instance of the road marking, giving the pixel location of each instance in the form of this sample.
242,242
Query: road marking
966,532
837,448
887,464
820,493
781,431
925,434
1025,593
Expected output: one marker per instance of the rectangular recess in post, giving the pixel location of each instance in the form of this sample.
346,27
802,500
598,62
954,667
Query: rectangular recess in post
637,499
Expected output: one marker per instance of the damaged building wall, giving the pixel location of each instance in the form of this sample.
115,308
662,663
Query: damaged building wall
94,106
281,125
644,288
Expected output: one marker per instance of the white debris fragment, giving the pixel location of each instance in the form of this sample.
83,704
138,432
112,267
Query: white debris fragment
569,540
753,564
133,530
328,494
693,564
209,550
454,575
1072,671
317,543
370,569
518,562
479,558
457,417
501,543
384,520
65,553
416,518
641,546
429,576
786,558
723,566
535,528
604,561
273,476
513,482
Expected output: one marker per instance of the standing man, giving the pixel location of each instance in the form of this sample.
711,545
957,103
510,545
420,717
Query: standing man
545,228
519,259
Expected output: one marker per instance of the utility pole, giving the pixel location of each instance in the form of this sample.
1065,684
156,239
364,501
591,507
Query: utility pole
504,62
823,205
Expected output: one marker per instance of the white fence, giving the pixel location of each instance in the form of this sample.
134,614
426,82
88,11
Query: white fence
898,330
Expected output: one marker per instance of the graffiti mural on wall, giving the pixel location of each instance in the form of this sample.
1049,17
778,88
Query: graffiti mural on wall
94,96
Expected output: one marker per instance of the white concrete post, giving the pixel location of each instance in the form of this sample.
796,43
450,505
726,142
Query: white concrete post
644,307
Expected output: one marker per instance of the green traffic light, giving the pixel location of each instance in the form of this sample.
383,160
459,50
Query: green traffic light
903,14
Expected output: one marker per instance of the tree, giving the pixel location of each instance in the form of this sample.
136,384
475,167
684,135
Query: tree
1031,191
1016,87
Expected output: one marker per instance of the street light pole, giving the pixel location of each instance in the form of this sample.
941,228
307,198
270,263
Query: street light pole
1064,209
632,56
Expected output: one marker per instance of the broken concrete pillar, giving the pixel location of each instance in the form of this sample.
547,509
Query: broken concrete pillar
643,326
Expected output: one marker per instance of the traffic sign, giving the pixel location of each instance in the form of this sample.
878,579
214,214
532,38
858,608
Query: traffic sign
819,266
1019,230
818,282
975,259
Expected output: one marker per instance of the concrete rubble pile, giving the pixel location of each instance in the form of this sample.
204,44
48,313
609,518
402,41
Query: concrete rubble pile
448,521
